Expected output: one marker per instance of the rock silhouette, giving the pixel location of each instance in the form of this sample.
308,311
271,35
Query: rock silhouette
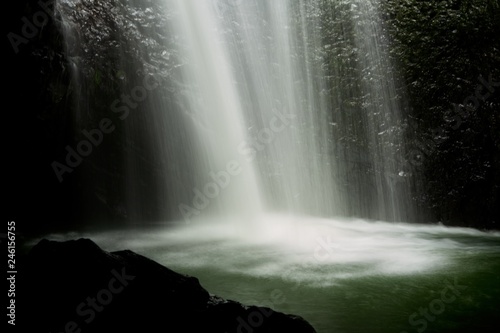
75,286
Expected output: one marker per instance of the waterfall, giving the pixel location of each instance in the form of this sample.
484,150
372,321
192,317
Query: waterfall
214,103
381,114
250,58
256,113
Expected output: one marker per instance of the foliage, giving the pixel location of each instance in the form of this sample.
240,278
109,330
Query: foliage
443,48
444,51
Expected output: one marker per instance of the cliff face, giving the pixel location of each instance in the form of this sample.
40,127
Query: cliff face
38,122
70,66
75,286
68,63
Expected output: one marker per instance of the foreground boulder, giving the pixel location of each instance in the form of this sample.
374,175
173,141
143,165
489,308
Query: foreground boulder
75,287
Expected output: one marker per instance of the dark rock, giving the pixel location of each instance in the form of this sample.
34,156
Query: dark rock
75,286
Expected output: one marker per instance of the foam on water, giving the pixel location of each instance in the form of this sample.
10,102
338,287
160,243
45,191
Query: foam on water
303,249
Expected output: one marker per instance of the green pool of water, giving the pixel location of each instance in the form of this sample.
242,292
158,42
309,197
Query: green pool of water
345,276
